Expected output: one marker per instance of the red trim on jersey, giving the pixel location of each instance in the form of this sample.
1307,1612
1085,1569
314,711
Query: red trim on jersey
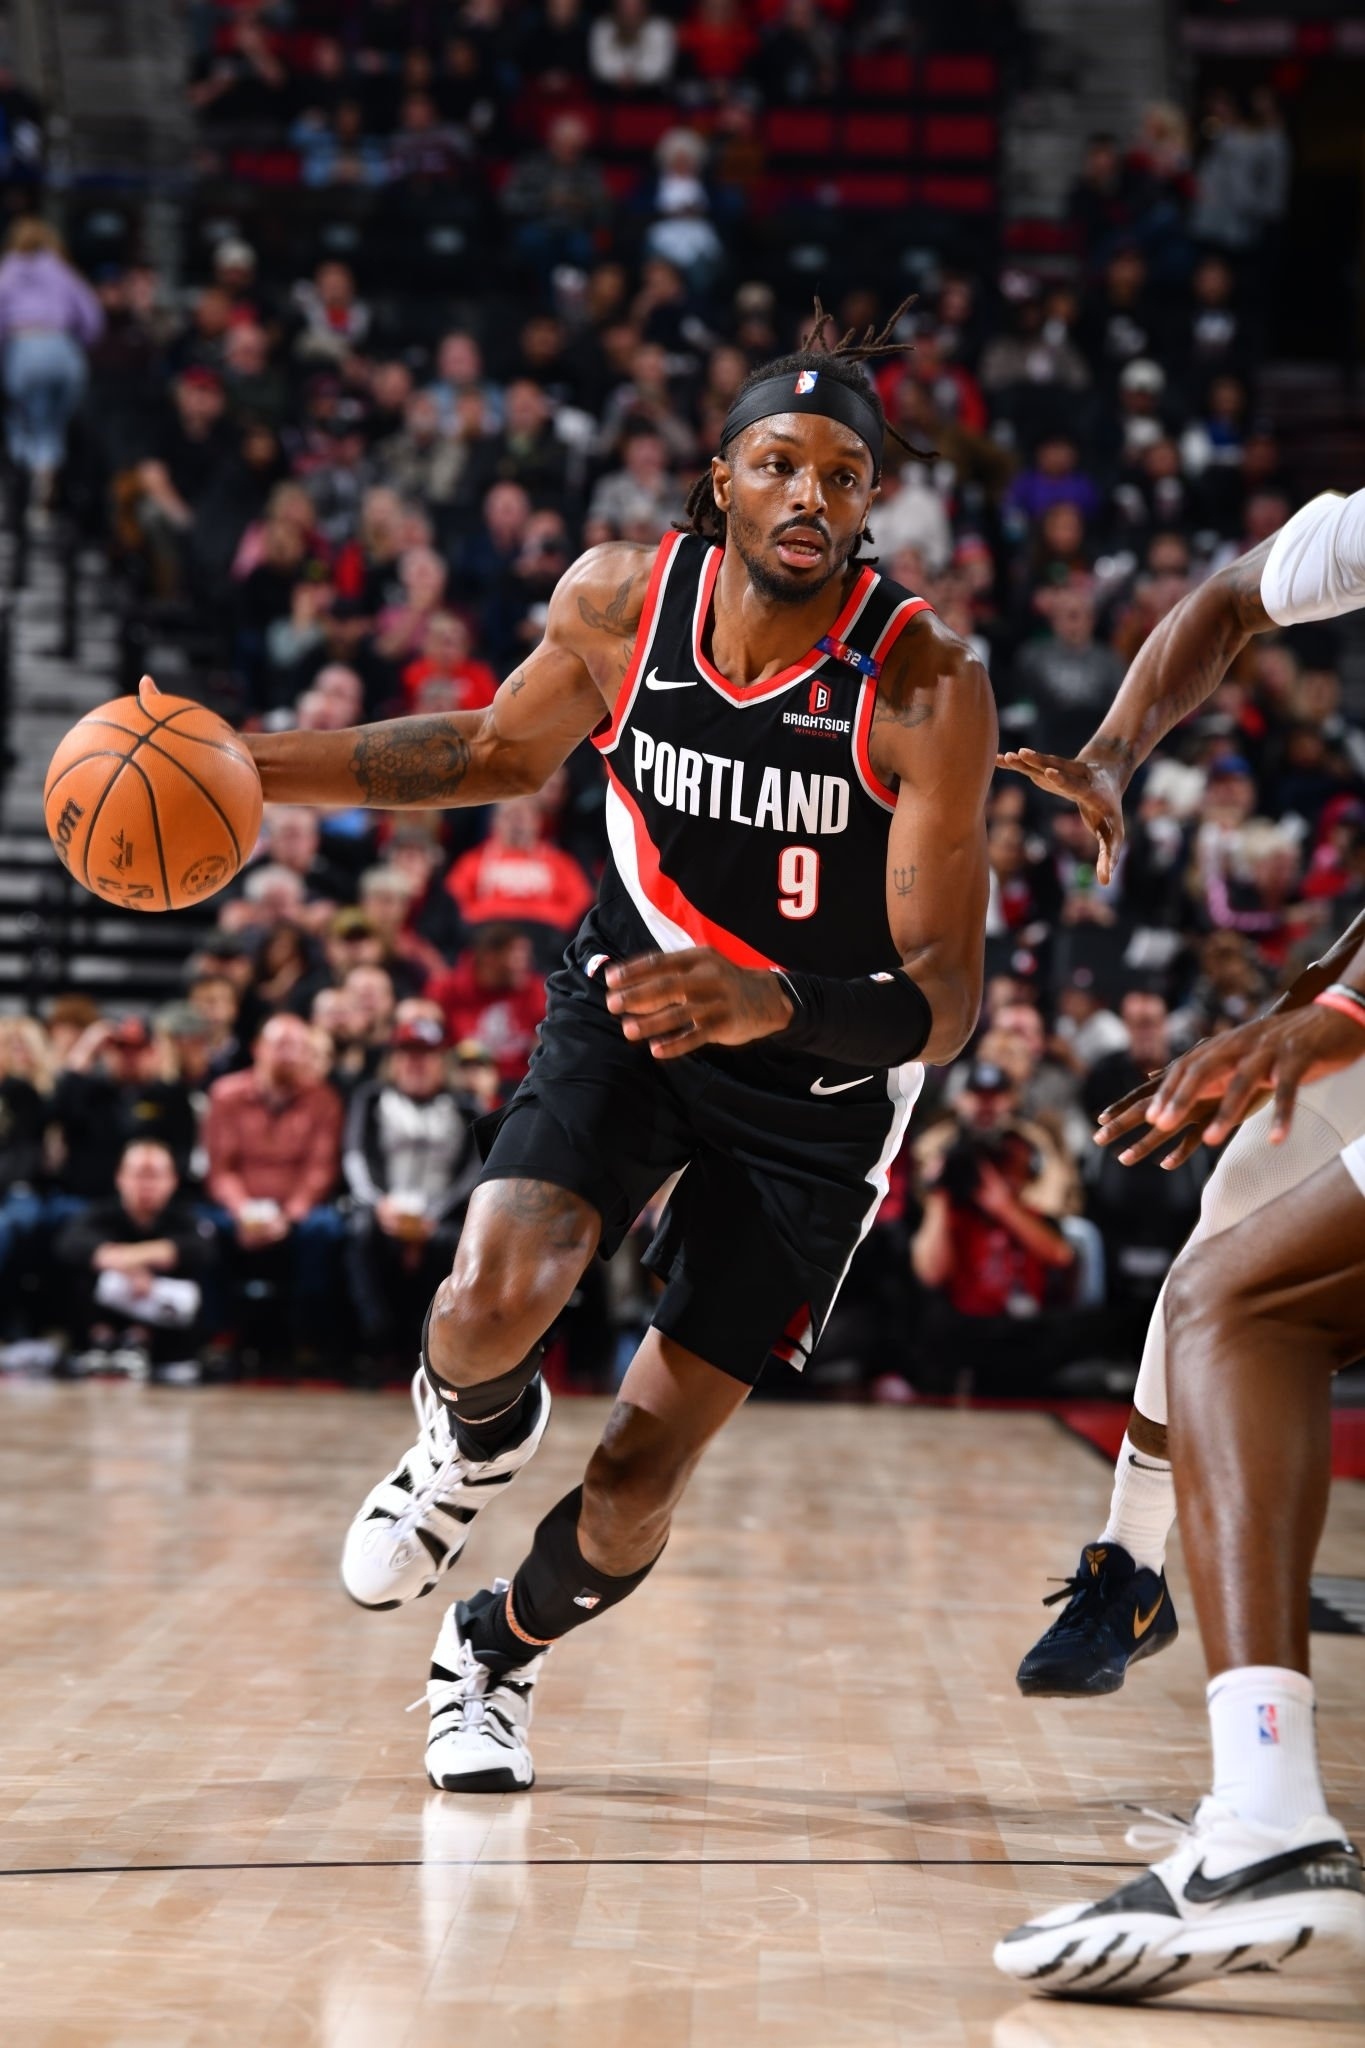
787,676
794,1337
668,898
867,702
607,736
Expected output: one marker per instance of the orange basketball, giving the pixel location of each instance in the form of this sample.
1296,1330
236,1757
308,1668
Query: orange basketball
152,802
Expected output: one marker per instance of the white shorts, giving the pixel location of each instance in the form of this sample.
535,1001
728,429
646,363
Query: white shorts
1353,1159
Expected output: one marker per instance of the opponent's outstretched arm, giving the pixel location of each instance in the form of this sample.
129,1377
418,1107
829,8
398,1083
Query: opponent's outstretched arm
1318,573
535,721
1178,667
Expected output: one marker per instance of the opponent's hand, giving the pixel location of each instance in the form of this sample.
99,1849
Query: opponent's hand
1240,1069
1090,786
678,1002
1134,1109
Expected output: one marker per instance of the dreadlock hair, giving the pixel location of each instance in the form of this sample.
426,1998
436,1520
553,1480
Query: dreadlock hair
842,360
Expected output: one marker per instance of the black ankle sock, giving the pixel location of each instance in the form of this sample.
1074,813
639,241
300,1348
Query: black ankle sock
555,1590
488,1632
483,1440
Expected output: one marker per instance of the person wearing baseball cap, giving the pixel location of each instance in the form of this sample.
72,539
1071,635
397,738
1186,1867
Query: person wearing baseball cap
410,1162
111,1092
189,448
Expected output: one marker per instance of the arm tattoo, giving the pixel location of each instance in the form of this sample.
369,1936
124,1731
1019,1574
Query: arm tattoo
516,683
914,712
904,879
413,761
905,696
621,619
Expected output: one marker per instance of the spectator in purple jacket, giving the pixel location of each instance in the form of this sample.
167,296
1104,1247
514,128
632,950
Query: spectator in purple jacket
48,318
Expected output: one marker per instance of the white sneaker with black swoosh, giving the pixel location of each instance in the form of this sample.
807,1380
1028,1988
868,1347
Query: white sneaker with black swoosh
654,681
412,1526
1230,1898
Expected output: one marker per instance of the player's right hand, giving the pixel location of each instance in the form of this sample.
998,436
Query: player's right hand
1089,785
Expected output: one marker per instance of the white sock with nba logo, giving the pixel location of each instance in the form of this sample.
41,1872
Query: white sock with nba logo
1265,1748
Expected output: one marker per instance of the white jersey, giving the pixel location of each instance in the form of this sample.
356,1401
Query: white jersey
1316,565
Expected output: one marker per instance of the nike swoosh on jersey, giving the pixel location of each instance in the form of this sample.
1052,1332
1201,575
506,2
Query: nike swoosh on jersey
654,681
821,1087
1202,1891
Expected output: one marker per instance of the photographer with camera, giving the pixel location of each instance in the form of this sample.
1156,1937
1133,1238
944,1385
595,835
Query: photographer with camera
991,1262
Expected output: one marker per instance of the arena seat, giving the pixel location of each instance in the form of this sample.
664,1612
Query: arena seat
798,131
959,135
960,77
888,136
881,75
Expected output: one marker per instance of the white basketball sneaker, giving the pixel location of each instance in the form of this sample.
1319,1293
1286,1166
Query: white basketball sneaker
477,1738
414,1524
1231,1898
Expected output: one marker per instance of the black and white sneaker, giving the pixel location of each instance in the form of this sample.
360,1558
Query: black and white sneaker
413,1525
477,1738
1230,1898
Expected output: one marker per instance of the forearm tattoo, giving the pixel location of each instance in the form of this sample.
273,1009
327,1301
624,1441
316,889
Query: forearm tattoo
412,761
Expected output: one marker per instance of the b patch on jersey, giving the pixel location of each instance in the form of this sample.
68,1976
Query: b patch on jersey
816,717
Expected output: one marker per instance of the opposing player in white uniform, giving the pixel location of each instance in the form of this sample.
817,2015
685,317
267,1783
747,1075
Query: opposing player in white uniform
1259,1316
1264,1304
1119,1610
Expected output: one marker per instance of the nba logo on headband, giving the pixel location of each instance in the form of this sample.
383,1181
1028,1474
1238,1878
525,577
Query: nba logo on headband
806,381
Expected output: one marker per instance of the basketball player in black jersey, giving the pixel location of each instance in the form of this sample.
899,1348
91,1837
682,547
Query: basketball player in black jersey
791,922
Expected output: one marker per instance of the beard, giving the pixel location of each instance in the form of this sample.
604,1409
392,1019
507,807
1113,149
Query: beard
773,583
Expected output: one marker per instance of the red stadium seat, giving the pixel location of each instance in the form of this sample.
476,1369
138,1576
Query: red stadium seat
1042,237
265,166
881,75
877,191
798,131
960,78
958,195
959,135
889,136
635,128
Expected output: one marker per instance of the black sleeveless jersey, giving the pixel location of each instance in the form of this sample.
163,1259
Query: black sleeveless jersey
749,820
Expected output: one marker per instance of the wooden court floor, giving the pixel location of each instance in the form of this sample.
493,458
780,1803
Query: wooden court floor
788,1795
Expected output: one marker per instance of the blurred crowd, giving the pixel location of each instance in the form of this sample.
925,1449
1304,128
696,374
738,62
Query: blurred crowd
367,519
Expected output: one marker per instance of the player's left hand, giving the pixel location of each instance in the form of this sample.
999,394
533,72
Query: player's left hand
678,1002
1224,1080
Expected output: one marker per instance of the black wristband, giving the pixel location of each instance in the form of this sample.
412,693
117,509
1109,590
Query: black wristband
879,1020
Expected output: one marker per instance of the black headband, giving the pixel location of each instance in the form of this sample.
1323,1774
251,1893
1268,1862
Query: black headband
807,391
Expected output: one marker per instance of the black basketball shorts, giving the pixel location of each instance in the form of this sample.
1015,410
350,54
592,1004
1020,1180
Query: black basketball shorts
783,1164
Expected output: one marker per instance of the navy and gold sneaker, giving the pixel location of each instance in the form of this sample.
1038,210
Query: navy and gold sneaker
1116,1612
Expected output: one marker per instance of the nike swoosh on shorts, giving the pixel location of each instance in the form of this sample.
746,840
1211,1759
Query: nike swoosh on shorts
654,681
822,1087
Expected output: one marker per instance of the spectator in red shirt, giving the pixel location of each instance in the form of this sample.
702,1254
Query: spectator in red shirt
986,1255
496,997
273,1138
518,877
717,42
445,676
